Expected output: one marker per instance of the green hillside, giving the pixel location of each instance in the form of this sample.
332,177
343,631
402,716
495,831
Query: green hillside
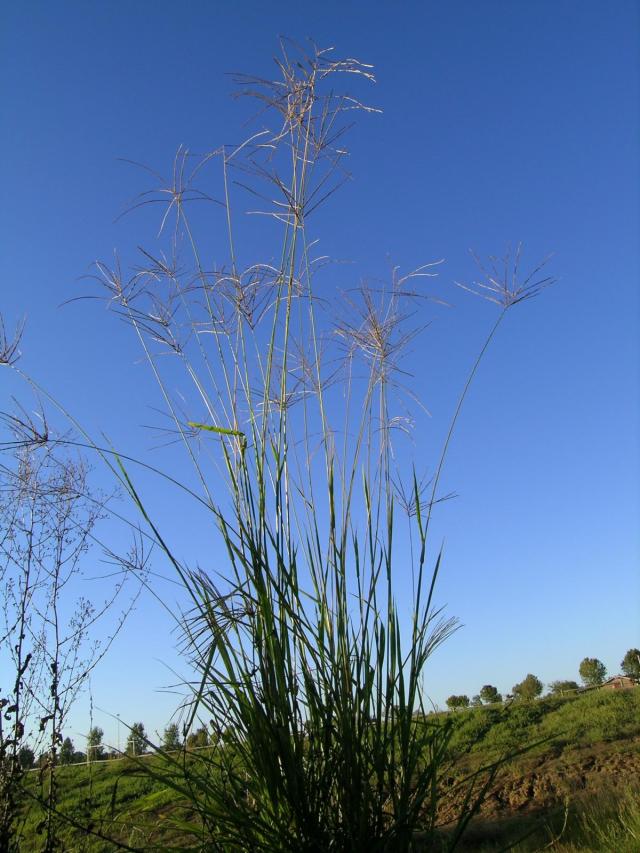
582,751
578,780
558,722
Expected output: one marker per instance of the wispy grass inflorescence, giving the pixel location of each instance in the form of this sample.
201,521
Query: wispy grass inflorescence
503,282
380,329
10,346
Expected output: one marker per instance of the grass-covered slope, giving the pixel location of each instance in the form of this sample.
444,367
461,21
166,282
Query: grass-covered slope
578,785
594,717
586,749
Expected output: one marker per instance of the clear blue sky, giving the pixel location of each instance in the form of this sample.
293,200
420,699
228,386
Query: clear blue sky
501,122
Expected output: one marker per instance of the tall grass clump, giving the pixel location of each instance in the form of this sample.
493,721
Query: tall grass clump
307,667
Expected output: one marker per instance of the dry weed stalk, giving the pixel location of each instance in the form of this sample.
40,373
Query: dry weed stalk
48,642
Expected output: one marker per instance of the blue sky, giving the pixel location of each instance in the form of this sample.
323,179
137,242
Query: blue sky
500,122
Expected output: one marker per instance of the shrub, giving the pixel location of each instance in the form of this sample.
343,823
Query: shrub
457,702
560,688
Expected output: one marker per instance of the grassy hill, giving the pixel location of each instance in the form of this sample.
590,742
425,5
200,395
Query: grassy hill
581,767
580,770
557,722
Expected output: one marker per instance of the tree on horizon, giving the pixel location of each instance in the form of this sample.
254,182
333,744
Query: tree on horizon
455,702
95,747
529,688
562,686
489,694
593,672
171,739
137,740
630,664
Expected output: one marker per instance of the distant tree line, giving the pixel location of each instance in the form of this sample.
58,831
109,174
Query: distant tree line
592,672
